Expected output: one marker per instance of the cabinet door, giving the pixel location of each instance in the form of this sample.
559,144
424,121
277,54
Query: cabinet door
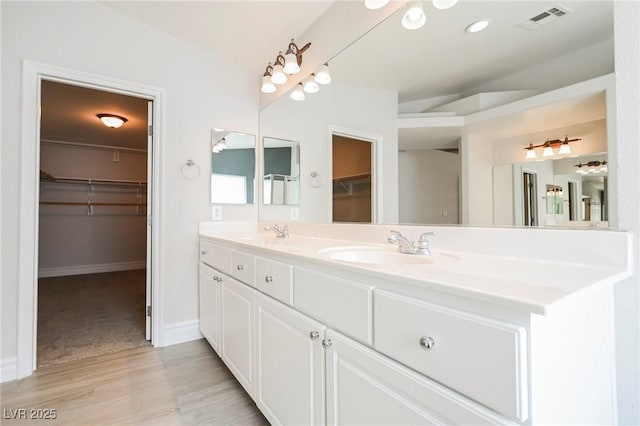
237,330
290,364
209,304
366,388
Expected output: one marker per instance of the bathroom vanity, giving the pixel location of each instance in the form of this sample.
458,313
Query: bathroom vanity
333,326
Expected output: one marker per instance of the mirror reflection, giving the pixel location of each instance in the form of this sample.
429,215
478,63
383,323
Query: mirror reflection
233,163
453,127
281,180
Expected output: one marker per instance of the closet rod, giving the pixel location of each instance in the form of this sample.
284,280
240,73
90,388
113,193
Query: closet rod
90,145
92,181
72,203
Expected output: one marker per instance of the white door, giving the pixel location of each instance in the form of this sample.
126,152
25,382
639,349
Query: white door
290,365
237,330
210,305
149,212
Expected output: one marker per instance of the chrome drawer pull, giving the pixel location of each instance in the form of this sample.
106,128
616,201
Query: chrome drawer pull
314,335
268,278
240,267
203,252
427,343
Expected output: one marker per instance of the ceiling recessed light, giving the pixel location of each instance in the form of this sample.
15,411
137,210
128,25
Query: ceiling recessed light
478,26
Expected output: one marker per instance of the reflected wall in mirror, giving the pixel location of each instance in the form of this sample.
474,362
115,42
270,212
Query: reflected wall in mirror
446,116
233,165
281,180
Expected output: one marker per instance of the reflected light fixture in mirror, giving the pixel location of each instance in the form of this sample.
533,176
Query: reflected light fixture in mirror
323,76
298,93
310,85
414,17
375,4
111,120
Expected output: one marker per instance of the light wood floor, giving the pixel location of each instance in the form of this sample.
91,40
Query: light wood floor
185,384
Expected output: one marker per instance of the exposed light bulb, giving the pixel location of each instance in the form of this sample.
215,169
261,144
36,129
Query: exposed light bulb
323,76
414,17
298,93
444,4
375,4
311,85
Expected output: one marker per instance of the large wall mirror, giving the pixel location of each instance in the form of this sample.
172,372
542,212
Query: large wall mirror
455,110
233,165
281,167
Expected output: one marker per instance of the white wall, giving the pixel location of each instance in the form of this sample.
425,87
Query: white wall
627,156
428,186
309,122
114,237
202,91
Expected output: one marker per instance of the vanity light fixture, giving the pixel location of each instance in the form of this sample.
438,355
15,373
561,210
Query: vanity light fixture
112,120
592,167
298,93
310,85
293,57
267,84
375,4
219,146
277,74
548,147
414,17
444,4
322,75
478,26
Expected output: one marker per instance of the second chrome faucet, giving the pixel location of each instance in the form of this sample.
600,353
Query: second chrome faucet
408,246
281,232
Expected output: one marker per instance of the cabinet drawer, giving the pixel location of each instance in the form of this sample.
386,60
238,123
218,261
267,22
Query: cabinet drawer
274,279
343,304
217,256
482,358
243,267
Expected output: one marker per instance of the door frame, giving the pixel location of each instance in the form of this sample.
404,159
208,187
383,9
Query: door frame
376,163
32,75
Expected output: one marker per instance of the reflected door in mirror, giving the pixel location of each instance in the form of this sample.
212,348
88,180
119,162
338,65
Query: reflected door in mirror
281,179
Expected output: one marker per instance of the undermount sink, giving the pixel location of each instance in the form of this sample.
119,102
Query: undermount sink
382,256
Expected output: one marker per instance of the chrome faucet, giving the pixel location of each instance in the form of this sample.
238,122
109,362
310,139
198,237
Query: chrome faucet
408,246
280,232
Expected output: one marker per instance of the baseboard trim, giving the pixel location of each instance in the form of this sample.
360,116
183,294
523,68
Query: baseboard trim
181,332
8,369
61,271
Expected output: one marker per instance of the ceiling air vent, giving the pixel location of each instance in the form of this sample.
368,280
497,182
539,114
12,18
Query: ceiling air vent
544,17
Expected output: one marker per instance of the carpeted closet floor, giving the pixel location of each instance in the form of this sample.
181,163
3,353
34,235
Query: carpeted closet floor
81,316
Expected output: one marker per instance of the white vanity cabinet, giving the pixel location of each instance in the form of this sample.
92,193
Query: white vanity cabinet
209,304
366,388
290,364
237,302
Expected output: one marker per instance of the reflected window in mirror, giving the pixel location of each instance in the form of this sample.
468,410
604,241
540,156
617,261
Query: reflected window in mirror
233,164
281,180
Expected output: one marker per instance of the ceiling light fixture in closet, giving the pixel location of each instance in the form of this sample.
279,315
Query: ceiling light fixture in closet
112,120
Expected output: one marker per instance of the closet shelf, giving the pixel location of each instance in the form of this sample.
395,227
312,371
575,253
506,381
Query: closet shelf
46,177
89,203
352,177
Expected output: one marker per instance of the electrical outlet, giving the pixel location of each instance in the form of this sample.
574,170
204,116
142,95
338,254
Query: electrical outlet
294,213
216,213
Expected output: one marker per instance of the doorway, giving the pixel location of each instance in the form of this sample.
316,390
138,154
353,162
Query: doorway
92,240
33,74
530,206
352,161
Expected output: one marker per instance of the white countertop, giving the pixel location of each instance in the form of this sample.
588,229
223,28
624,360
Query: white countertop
522,283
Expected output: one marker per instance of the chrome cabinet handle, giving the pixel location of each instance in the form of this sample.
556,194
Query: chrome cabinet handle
314,335
268,279
326,343
427,343
240,267
203,252
217,279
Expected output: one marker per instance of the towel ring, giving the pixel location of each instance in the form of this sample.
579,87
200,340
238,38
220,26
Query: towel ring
190,170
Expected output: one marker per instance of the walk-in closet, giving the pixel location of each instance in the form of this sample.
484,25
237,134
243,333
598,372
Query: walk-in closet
92,242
